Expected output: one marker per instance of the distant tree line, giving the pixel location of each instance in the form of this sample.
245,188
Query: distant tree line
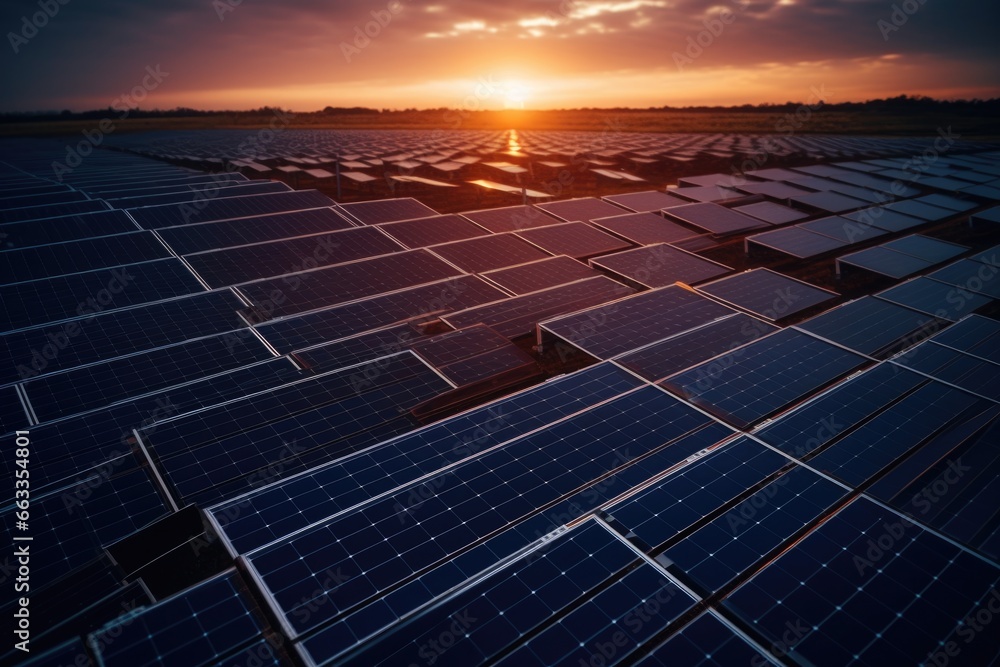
902,104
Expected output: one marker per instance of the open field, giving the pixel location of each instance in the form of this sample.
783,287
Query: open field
803,121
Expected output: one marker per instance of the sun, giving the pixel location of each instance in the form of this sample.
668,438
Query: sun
515,94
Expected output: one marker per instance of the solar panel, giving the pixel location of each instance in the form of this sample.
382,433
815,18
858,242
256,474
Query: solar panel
627,324
88,387
934,298
990,257
768,294
189,239
388,210
489,252
873,327
844,229
12,414
659,360
77,256
794,241
68,228
969,276
328,324
917,209
198,194
828,202
644,228
453,346
324,491
511,218
945,201
758,380
70,652
643,202
518,315
706,193
359,348
660,265
508,363
215,618
496,490
714,218
989,215
581,209
774,190
970,372
53,299
423,232
229,449
884,217
575,239
169,215
864,194
772,213
104,335
231,266
706,641
903,606
926,248
51,210
540,274
332,285
975,335
883,261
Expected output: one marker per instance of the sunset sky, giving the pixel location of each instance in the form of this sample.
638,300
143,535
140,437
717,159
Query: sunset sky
302,54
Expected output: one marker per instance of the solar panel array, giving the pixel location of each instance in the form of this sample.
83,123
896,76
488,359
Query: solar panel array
347,398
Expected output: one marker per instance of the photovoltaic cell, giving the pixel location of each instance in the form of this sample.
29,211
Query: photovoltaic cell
902,609
510,362
388,210
489,252
12,414
540,274
714,218
873,327
974,335
883,217
703,643
970,276
503,486
302,331
344,282
934,298
795,241
660,265
98,385
169,215
644,228
77,256
758,380
828,202
189,239
625,325
883,261
196,626
575,239
926,248
332,488
844,229
580,210
104,335
231,266
918,209
359,348
51,210
67,228
970,372
197,195
641,202
684,350
772,213
945,201
517,316
423,232
511,218
53,299
768,294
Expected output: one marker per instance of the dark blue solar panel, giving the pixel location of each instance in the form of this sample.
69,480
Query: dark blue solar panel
198,194
489,252
105,335
68,228
51,210
581,209
261,517
644,228
768,294
848,229
52,299
542,274
71,652
194,627
926,248
388,210
954,366
975,335
169,215
627,324
758,380
345,282
970,277
511,218
885,218
98,385
660,265
574,239
302,331
423,232
223,234
934,298
883,261
868,588
360,348
12,414
796,241
231,266
873,327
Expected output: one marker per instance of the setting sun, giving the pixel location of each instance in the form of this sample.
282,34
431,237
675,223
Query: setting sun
515,94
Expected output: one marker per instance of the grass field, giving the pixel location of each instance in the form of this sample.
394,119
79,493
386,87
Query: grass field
806,121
